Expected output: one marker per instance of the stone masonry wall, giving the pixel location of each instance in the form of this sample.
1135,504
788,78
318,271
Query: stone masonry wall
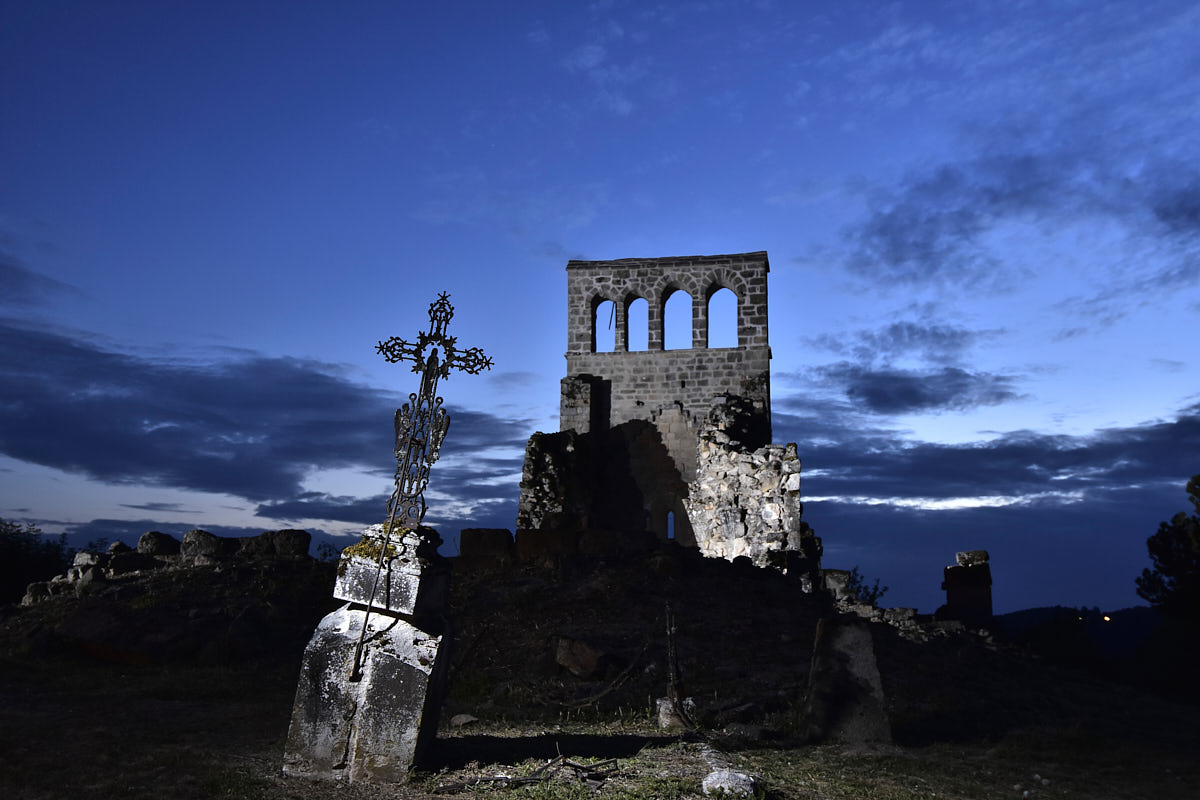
672,389
745,500
620,479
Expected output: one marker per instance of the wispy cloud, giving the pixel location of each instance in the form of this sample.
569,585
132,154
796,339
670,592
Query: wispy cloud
605,60
857,460
251,427
22,287
936,343
318,505
1069,120
514,379
168,508
871,381
538,36
897,391
899,508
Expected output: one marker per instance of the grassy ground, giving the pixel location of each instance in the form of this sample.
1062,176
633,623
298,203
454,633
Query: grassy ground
72,730
187,720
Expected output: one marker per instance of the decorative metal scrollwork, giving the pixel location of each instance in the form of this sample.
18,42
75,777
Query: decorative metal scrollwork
421,425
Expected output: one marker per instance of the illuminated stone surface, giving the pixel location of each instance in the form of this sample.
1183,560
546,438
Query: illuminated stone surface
374,728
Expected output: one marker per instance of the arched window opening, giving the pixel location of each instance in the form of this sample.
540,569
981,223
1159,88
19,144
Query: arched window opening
722,319
670,525
677,321
604,330
638,320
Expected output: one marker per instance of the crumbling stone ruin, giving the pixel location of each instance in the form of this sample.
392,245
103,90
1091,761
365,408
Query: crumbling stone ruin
676,442
198,598
92,572
746,502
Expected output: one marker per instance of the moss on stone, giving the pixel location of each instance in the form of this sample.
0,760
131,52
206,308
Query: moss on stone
369,547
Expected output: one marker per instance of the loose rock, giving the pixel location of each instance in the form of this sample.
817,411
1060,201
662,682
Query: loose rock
727,782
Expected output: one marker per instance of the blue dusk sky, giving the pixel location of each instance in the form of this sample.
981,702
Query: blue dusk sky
982,218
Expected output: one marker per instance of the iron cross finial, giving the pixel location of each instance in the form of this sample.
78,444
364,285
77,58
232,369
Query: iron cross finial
421,426
472,360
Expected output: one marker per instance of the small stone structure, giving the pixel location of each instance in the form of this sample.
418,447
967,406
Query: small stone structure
371,719
676,442
968,586
845,700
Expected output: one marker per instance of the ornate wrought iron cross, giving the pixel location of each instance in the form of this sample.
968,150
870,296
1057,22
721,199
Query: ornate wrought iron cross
421,423
421,426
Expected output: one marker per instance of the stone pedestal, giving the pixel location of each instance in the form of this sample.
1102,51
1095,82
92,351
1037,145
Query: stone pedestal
412,581
374,728
845,699
374,724
968,586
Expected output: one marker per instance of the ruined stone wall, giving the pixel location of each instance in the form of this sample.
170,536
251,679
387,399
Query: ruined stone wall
745,500
672,389
622,478
91,571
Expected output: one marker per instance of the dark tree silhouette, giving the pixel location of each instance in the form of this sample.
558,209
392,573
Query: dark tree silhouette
857,587
1174,583
28,555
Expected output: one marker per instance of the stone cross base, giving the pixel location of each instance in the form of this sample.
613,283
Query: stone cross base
373,729
845,699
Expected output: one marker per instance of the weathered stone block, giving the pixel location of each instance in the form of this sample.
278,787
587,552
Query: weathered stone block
290,542
374,728
86,557
154,543
410,581
897,615
35,593
971,558
202,543
91,581
837,583
728,783
845,699
582,659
